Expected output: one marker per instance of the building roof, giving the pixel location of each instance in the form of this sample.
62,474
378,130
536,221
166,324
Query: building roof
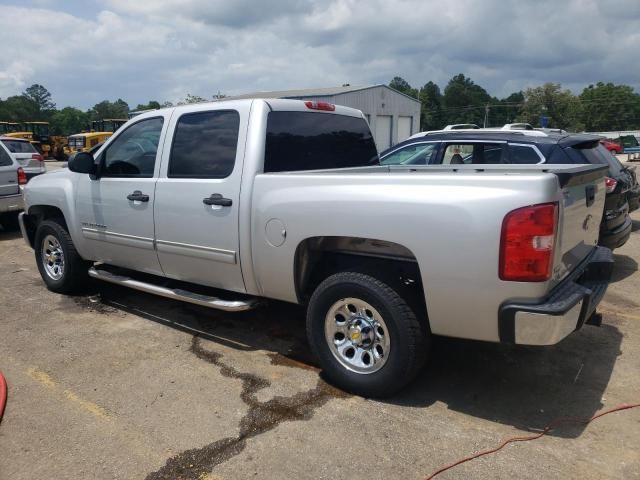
313,92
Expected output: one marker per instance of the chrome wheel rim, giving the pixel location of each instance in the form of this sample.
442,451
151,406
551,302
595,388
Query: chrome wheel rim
357,335
52,257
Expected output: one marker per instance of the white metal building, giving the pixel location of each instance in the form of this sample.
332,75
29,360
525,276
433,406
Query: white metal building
392,115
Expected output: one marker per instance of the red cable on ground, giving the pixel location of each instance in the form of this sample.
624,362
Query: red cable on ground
554,424
3,395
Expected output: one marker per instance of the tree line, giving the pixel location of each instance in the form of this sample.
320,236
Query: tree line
599,107
36,104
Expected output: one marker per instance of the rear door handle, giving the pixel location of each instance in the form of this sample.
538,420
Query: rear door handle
138,196
217,199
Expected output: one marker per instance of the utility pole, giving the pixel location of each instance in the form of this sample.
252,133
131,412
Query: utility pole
486,115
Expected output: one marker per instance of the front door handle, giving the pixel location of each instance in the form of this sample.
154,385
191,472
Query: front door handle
138,196
217,199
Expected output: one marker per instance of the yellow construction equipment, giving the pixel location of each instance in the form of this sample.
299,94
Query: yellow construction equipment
100,131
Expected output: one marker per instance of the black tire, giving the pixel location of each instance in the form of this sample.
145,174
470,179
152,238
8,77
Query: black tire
409,339
10,222
74,273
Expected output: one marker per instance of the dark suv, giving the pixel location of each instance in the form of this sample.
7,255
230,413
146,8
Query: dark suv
482,147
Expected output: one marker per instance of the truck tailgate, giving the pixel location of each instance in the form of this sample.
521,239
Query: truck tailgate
581,210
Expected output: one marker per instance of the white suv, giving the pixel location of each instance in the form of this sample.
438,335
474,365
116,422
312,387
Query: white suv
23,152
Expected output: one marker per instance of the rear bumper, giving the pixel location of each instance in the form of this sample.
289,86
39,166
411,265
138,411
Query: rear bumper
617,237
565,310
11,203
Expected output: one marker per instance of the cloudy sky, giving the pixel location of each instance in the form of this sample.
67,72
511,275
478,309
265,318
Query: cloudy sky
85,51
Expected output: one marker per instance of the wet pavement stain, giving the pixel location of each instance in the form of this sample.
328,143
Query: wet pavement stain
261,417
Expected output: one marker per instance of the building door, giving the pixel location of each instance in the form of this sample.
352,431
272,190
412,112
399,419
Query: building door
404,128
383,131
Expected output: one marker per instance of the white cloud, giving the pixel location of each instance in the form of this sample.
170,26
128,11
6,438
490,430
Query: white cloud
167,48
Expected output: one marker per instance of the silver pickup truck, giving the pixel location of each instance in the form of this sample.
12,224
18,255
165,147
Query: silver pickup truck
228,203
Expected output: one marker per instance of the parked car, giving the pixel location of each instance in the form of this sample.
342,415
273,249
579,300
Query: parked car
286,200
23,152
517,126
462,126
486,147
12,181
612,146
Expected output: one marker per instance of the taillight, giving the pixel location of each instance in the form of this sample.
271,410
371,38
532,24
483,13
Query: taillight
327,107
527,242
22,177
38,157
610,183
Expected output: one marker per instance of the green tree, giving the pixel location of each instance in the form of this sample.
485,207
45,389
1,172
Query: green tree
464,101
506,110
192,99
401,85
18,108
152,105
610,107
560,106
431,115
107,109
42,99
68,121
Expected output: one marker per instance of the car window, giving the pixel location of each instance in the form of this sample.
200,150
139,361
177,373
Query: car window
17,146
205,144
5,159
298,141
523,154
472,153
414,154
133,153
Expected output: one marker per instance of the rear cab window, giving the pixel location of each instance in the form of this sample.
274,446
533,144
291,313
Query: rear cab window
19,146
299,141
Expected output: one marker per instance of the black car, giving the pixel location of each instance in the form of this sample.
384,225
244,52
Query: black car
483,147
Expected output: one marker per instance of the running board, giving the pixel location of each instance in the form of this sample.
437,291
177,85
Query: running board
175,293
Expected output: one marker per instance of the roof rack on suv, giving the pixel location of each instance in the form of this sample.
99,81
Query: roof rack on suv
527,133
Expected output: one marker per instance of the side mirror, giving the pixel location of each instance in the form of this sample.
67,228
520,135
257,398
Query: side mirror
82,162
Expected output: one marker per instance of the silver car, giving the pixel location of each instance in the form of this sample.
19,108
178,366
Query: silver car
12,181
23,152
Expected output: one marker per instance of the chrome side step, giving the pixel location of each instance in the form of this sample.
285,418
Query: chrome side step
175,293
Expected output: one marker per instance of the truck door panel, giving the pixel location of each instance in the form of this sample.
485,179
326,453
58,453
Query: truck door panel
197,198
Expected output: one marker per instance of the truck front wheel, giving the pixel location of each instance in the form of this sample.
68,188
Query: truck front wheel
60,265
366,337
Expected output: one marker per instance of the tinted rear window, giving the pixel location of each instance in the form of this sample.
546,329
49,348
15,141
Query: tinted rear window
595,155
204,145
16,146
523,155
312,141
5,159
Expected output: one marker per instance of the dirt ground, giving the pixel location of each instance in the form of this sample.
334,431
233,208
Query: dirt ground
118,384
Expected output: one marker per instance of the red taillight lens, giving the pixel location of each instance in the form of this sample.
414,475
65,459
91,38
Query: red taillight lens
22,177
327,107
610,183
526,246
38,157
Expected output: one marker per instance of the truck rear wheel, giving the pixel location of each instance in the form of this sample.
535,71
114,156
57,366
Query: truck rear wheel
60,265
366,337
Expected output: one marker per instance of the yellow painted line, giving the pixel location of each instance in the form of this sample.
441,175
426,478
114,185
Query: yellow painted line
46,380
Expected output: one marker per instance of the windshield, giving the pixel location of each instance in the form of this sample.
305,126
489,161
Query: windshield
16,146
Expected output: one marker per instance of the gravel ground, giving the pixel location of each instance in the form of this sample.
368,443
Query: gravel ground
118,384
